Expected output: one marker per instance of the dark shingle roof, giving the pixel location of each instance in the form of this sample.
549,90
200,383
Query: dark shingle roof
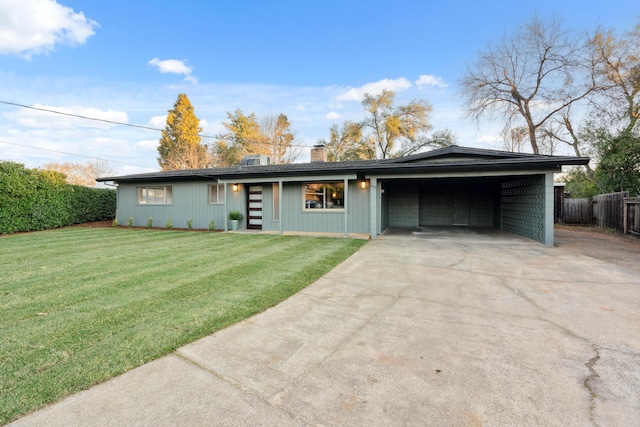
447,159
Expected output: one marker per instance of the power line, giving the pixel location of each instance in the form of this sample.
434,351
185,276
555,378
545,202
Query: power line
78,155
47,110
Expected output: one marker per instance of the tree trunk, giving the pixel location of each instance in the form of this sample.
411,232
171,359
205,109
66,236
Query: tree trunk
533,139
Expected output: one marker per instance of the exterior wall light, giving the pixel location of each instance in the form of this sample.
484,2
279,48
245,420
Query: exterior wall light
363,184
234,187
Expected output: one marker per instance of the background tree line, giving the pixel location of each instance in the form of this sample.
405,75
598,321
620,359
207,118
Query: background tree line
549,86
386,131
181,144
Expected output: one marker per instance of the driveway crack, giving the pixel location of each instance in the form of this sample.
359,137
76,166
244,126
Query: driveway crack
588,383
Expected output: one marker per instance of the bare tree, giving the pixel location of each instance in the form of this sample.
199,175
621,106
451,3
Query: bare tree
618,67
99,168
278,139
534,76
514,139
81,174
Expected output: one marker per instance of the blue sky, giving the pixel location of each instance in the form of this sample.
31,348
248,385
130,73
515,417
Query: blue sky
126,61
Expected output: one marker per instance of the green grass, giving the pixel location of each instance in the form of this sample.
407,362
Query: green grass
81,305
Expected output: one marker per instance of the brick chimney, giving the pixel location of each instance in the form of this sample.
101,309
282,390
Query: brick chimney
318,153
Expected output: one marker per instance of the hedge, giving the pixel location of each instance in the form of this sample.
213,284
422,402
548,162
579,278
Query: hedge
33,199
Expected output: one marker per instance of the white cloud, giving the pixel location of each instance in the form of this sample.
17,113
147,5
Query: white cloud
31,27
489,139
158,122
46,119
375,88
332,115
174,66
426,81
148,144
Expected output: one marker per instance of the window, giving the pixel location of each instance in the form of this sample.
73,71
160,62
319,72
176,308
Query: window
276,201
155,195
323,195
216,193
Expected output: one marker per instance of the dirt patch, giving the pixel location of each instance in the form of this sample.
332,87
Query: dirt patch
621,250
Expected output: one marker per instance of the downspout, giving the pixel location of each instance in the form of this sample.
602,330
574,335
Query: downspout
117,195
226,207
346,207
281,218
373,207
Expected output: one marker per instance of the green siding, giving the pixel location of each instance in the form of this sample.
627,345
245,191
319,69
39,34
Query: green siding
436,205
481,206
296,219
404,206
190,201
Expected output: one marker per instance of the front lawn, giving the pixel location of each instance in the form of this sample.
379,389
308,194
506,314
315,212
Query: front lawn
81,305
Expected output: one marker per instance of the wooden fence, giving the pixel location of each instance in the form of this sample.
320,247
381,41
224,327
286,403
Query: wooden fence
608,210
615,210
632,215
577,211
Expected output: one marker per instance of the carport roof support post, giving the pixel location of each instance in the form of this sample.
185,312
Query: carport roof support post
548,208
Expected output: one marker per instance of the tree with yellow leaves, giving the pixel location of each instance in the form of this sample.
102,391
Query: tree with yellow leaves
271,136
180,146
395,131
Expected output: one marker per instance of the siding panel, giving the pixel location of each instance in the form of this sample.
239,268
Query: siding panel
404,207
296,219
190,201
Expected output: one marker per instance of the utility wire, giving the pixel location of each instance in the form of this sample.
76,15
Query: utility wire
46,110
78,155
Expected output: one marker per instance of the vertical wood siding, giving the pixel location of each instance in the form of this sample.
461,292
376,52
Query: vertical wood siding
296,219
190,201
404,206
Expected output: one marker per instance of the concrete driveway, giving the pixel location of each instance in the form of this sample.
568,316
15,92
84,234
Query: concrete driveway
438,327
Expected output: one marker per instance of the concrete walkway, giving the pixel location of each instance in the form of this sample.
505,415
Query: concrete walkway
427,328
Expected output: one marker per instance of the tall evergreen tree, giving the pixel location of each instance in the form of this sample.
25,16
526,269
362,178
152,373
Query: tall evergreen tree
180,146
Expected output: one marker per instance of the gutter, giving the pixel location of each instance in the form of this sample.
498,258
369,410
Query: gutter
545,163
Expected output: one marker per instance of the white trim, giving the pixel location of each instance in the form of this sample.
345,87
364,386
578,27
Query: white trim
298,178
460,174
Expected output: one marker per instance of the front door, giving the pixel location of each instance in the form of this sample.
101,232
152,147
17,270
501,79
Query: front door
254,207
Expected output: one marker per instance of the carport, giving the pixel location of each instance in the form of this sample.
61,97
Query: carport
511,203
467,187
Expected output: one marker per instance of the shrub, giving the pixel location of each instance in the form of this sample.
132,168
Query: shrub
33,199
150,222
115,222
235,215
212,225
168,224
130,222
189,224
